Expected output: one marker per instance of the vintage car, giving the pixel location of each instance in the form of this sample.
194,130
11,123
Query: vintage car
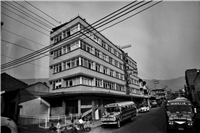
8,125
180,115
144,108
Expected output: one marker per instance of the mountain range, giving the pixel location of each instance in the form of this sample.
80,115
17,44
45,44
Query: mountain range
170,84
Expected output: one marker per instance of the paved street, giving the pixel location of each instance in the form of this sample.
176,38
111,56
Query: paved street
150,122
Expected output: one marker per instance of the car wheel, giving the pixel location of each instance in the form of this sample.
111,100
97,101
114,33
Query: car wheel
132,117
5,129
118,124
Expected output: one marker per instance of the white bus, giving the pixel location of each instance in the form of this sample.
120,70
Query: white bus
115,113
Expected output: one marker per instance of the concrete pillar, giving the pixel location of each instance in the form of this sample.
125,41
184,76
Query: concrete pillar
101,107
94,82
63,107
79,61
79,107
93,109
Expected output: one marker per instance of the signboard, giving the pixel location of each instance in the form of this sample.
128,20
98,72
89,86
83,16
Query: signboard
126,46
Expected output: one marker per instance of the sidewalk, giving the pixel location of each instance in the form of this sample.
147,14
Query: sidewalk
96,123
36,129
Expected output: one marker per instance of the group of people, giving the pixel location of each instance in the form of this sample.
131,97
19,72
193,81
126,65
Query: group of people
73,126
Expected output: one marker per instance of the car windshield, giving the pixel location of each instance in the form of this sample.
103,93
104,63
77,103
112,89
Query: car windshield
179,109
112,109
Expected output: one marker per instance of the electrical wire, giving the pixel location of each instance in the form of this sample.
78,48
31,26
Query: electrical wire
22,37
34,13
42,12
26,19
26,14
75,34
25,24
29,62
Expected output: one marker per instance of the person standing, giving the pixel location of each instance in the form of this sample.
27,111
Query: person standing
58,126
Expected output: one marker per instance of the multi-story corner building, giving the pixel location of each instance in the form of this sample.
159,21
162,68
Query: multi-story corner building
160,94
87,71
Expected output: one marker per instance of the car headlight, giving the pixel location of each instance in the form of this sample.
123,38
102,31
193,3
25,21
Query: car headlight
171,122
190,123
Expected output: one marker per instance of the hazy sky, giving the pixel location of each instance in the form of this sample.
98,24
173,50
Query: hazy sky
165,39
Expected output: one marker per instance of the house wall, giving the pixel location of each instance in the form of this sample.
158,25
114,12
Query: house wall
34,108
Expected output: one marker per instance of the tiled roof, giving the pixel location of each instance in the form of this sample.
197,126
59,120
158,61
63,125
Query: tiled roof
9,83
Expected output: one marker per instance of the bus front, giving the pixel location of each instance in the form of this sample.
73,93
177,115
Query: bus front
111,115
180,116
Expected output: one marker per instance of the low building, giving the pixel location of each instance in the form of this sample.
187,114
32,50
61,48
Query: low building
10,88
161,95
32,107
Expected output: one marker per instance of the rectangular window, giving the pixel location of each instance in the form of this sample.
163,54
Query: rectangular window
97,67
96,53
98,82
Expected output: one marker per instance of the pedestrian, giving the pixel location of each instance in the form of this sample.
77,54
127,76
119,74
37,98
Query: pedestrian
58,126
81,123
73,130
52,128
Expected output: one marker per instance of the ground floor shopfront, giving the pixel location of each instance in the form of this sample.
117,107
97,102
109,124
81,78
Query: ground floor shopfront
87,104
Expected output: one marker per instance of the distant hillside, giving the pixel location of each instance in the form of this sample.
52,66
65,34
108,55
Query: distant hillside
33,81
173,84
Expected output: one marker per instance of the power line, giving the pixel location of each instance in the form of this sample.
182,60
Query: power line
79,32
25,63
126,12
29,62
17,45
130,16
26,19
23,37
42,11
25,24
55,48
34,13
26,14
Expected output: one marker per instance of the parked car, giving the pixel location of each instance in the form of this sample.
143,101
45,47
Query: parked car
8,125
154,104
144,108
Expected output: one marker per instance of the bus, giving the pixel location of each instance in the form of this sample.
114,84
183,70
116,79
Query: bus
115,113
180,114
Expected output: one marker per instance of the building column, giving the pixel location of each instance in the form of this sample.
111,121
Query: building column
94,82
63,107
79,107
93,109
101,107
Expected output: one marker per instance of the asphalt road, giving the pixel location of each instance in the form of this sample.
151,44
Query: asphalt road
149,122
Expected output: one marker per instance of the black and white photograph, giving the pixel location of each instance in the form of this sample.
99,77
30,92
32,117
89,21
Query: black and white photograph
107,66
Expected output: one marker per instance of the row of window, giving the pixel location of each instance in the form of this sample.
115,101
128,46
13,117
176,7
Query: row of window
99,41
88,48
65,34
81,61
57,84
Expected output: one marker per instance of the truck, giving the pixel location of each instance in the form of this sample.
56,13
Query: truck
180,114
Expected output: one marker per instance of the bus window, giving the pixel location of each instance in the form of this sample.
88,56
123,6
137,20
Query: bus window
112,109
179,109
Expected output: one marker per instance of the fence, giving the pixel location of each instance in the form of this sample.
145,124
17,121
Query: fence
64,120
27,120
